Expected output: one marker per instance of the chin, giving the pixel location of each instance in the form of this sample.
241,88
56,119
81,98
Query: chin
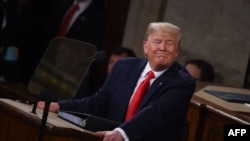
161,60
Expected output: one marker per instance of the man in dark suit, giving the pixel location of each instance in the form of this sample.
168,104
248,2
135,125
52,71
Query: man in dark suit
86,25
162,112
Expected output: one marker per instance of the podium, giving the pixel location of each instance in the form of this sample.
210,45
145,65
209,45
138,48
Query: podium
17,123
16,91
206,118
207,115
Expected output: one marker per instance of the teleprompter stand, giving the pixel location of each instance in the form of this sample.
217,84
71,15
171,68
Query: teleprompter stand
47,98
59,73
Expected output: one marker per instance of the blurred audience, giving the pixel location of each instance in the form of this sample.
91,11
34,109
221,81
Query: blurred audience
28,26
86,25
118,54
200,70
21,22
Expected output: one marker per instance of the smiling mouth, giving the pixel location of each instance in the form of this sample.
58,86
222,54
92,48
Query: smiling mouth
161,55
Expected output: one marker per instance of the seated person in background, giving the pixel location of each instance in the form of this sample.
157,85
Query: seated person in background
156,113
118,54
201,70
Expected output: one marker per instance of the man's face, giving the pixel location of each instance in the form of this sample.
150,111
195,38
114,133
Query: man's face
161,50
113,59
194,71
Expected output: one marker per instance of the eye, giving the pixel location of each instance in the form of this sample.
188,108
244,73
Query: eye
156,42
169,43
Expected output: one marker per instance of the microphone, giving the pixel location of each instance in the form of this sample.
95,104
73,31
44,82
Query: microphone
100,56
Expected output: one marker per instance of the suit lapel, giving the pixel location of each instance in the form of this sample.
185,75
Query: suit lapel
135,75
160,83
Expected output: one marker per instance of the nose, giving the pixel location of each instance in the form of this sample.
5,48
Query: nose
162,46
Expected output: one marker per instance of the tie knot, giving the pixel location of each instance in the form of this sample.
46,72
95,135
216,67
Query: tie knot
151,74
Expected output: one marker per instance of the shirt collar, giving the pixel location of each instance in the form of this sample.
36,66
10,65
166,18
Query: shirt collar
83,4
148,68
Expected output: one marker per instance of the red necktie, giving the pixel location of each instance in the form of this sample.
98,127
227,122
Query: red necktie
65,24
138,95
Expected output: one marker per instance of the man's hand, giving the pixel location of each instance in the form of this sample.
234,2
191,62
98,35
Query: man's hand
54,107
110,135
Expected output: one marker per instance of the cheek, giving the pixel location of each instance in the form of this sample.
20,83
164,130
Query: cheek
174,52
149,48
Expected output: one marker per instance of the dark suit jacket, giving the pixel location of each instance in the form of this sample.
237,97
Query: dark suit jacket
87,27
162,113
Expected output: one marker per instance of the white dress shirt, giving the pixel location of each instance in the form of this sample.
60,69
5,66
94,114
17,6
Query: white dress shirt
142,77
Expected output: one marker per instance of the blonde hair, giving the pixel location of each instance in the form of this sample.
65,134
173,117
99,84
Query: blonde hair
164,27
